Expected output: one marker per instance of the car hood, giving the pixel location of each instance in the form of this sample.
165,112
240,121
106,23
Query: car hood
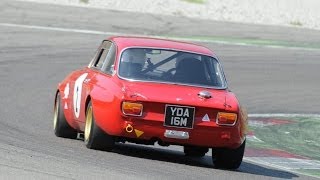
174,94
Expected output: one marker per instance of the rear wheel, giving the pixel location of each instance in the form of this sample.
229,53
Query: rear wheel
94,137
60,125
195,151
228,158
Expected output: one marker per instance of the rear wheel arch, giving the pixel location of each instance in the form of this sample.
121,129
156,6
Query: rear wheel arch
55,97
94,136
88,100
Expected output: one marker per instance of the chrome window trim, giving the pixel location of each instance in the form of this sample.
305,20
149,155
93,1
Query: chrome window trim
166,82
94,59
100,47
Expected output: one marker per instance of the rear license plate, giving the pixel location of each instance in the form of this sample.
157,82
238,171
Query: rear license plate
179,116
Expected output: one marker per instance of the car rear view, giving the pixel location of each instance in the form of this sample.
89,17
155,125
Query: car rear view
177,97
147,91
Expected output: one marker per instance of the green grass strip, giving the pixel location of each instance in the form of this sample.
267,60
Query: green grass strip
302,137
312,172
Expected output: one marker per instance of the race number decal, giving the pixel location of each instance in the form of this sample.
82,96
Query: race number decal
179,116
66,91
77,94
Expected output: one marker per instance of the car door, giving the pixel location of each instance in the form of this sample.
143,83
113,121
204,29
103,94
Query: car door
80,86
86,81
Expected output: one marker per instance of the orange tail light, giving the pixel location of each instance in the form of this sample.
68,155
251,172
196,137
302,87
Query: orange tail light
227,119
132,109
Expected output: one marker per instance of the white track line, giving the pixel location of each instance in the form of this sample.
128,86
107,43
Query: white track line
85,31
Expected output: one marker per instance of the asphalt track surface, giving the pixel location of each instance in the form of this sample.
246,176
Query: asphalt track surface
33,61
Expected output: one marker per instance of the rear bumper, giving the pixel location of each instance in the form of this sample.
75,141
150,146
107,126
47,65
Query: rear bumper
205,134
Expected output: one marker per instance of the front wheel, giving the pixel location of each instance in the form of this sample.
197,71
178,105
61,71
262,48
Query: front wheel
60,125
228,158
94,137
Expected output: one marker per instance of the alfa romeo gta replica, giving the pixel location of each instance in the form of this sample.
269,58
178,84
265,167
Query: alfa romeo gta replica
147,90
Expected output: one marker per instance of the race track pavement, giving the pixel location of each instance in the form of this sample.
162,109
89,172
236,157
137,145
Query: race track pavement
33,61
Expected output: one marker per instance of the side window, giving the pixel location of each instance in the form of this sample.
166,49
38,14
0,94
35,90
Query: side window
102,54
108,65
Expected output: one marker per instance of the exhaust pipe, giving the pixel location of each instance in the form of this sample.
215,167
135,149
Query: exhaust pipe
129,128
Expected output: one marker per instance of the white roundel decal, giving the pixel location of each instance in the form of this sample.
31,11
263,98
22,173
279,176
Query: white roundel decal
77,94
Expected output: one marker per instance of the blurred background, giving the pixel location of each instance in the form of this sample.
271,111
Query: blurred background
269,50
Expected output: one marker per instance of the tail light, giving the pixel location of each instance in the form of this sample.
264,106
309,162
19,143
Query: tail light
227,119
132,109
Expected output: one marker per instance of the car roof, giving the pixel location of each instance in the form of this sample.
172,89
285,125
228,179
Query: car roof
124,42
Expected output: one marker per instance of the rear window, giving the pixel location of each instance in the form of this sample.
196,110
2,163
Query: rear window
158,65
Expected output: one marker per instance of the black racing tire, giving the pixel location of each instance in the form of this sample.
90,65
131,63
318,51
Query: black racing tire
195,151
60,125
94,137
225,158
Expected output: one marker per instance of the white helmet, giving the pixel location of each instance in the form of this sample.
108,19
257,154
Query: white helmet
134,56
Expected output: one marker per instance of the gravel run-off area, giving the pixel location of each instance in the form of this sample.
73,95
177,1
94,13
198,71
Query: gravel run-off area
297,13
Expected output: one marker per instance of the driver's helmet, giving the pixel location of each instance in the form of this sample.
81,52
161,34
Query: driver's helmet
132,62
136,56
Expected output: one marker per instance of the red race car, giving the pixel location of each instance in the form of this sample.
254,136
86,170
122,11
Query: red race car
147,90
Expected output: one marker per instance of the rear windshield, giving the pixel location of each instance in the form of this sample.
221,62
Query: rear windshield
168,66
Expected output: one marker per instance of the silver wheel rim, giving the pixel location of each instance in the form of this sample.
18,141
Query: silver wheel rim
88,125
55,117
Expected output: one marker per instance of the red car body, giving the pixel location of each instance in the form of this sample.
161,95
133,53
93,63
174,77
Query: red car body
108,91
